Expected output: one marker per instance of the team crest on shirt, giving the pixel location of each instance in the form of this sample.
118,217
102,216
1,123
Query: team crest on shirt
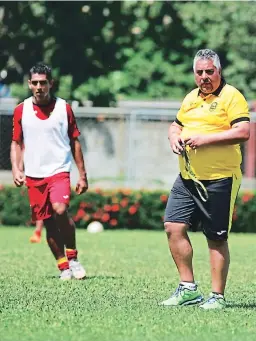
213,106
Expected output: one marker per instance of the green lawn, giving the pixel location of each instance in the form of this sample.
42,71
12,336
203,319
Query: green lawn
129,272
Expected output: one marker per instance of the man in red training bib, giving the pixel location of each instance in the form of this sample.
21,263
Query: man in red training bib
46,127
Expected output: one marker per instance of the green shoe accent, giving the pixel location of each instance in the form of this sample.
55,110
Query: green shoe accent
183,296
213,302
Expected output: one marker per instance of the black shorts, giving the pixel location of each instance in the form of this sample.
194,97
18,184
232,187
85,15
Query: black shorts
214,216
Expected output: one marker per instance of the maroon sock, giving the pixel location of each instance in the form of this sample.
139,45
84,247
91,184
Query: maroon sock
71,254
63,264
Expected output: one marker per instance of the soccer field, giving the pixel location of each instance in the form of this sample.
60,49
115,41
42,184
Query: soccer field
129,272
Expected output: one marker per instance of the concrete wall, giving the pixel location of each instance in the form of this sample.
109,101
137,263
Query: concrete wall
118,154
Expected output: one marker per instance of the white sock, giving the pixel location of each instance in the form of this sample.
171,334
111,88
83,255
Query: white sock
218,294
189,285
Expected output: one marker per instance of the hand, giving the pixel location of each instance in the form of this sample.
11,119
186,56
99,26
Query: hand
82,185
195,141
18,177
177,144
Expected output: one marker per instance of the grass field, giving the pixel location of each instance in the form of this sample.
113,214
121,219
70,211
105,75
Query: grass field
129,272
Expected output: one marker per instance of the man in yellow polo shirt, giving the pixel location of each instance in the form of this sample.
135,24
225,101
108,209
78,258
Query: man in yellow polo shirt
212,121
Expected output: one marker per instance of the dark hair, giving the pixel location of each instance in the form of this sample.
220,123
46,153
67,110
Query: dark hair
41,68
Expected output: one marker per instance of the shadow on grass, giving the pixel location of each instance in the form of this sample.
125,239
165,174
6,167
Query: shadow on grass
89,278
100,277
231,305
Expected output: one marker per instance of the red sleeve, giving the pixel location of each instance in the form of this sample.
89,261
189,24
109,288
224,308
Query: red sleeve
17,134
73,130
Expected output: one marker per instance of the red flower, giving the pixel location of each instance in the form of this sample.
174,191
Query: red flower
107,208
115,208
105,217
124,202
86,217
164,198
83,204
97,215
113,222
80,213
132,210
234,217
1,187
247,197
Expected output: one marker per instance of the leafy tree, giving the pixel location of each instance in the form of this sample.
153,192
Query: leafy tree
229,28
105,50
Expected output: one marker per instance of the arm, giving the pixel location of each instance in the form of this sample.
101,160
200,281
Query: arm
21,163
176,141
17,163
174,131
239,132
16,154
76,149
239,120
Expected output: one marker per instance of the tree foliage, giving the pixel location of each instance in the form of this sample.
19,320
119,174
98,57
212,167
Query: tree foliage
105,50
229,28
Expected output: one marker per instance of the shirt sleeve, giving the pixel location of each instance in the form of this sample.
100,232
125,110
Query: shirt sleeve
238,110
187,103
17,133
179,115
73,130
178,119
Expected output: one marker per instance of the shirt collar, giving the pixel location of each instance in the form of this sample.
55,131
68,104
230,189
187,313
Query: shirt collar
218,90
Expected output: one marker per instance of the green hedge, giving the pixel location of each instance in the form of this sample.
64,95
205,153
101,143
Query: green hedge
118,209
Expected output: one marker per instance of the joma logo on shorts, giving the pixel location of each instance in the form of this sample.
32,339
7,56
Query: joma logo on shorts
221,232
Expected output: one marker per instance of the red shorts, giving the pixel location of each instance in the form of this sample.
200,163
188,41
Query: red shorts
43,192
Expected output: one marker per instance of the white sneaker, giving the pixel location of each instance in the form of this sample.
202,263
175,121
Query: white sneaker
65,275
77,269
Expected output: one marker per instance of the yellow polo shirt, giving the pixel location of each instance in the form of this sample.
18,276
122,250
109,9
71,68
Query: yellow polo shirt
212,114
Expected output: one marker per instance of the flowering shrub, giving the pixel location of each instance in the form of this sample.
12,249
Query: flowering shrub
14,206
118,209
244,216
